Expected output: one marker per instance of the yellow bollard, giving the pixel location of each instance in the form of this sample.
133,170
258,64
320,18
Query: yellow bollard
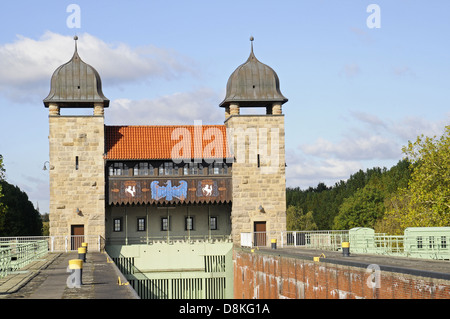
82,253
85,245
346,249
75,280
274,244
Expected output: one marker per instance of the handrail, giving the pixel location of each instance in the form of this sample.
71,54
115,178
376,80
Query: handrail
16,255
143,240
421,243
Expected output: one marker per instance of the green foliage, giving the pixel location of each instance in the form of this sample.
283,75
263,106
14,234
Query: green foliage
357,202
20,217
413,193
362,209
296,220
427,199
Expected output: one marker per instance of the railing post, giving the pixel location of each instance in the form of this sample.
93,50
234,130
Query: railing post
52,243
281,239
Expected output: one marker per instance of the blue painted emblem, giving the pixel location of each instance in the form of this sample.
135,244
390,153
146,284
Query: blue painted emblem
168,191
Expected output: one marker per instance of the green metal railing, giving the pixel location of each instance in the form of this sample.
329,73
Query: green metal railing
143,240
321,239
417,242
16,255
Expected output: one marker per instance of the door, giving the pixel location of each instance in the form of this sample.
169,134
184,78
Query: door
77,236
259,230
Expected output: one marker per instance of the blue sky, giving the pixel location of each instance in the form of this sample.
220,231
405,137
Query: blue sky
356,94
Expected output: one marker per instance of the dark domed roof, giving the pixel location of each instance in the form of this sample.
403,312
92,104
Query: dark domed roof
253,84
76,84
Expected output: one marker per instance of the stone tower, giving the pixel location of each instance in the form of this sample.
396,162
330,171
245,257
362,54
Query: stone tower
257,142
77,145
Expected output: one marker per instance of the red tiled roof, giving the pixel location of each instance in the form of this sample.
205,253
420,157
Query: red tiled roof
165,142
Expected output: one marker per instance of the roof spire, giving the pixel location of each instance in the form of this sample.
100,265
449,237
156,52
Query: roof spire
251,41
76,39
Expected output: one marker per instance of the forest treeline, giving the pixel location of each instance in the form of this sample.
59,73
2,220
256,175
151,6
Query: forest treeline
18,217
415,192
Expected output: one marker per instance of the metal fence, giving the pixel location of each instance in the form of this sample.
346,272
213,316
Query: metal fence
321,239
18,252
417,242
60,243
16,255
144,240
328,239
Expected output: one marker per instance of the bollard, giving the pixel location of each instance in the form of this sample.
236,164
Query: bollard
345,249
75,280
274,244
82,253
85,245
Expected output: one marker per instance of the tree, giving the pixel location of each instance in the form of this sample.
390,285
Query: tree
20,218
429,188
296,220
362,209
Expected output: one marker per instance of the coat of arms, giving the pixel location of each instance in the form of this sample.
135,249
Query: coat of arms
207,188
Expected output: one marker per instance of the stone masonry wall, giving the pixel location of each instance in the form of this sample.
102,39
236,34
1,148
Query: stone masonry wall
253,186
263,276
81,188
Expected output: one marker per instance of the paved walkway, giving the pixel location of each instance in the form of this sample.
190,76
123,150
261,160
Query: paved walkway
47,278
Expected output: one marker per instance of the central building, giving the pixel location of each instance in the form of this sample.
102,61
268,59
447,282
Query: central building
168,202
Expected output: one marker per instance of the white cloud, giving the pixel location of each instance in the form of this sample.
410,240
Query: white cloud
178,108
304,171
371,119
355,148
27,64
368,142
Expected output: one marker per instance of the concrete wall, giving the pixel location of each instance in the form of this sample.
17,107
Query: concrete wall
263,276
197,262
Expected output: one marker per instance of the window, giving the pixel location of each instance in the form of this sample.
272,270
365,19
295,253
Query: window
419,242
118,169
218,168
117,224
166,169
213,223
164,223
143,169
443,242
189,223
76,162
141,224
431,242
193,169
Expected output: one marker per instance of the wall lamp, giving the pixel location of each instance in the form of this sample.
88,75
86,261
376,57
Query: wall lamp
49,166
